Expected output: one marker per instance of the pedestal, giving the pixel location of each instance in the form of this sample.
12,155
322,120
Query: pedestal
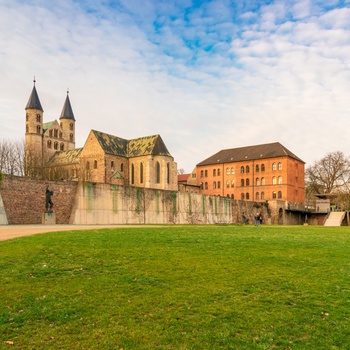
49,218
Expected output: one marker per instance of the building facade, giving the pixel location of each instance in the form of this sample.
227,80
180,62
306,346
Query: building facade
50,153
255,173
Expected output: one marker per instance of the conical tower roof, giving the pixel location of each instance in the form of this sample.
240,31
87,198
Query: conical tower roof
67,111
34,102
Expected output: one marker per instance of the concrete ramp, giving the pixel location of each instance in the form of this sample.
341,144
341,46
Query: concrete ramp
3,217
335,218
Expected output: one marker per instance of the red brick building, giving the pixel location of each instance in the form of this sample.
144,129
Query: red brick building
254,173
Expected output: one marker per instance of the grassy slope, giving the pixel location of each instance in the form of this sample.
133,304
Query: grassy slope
177,287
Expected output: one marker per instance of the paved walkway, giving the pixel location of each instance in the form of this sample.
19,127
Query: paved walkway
13,231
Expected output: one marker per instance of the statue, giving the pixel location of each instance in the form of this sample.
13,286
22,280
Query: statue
49,202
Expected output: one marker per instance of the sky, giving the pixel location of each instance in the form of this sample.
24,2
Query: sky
205,75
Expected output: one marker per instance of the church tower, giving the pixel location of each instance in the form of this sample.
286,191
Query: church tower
67,122
34,135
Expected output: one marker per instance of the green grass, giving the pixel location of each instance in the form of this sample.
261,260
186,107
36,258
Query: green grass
177,287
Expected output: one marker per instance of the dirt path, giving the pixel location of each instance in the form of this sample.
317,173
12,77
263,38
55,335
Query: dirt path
13,231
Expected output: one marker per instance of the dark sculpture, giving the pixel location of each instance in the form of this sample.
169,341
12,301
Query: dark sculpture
49,202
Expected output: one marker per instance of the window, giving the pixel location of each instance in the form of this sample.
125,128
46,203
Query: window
206,173
262,195
87,166
49,144
279,194
274,182
168,173
257,196
132,174
242,196
38,129
219,173
227,171
247,182
55,133
232,183
71,137
274,166
214,185
242,182
95,164
257,181
262,167
274,196
247,169
219,184
242,169
263,181
62,146
60,134
232,170
206,185
141,173
112,165
157,173
279,166
280,180
50,133
228,184
257,168
71,126
247,196
214,172
232,196
55,145
202,173
38,118
122,167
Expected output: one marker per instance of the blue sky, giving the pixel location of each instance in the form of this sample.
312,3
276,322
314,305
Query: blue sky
205,75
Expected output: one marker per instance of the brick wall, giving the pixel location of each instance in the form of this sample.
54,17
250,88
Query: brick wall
24,199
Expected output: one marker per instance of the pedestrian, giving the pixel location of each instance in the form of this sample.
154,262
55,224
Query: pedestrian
257,219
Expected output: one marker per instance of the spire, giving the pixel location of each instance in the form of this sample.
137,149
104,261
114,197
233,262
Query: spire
67,112
34,102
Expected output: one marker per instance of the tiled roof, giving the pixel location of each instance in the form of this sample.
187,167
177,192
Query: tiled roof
269,150
67,111
65,157
149,145
34,102
182,177
47,126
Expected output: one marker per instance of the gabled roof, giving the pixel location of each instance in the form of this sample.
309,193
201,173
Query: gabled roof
34,102
182,177
268,150
149,145
65,157
67,111
47,126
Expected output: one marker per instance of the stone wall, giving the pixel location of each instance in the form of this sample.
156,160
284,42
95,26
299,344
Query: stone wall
24,199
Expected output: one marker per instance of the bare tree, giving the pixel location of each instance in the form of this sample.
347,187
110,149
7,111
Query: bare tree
12,157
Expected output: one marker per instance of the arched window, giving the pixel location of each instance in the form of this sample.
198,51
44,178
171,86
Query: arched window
228,184
219,184
62,146
274,166
263,181
38,118
157,173
219,172
227,171
232,196
274,195
257,181
247,169
55,145
232,170
49,144
262,195
279,194
242,169
247,182
257,168
38,129
242,182
279,166
274,182
262,167
60,134
112,165
257,196
202,173
280,180
132,174
122,167
71,137
232,183
242,196
87,166
214,185
206,186
95,164
247,196
168,173
55,133
71,126
50,133
214,172
206,173
141,173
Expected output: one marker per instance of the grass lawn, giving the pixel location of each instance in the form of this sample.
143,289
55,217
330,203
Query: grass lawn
177,287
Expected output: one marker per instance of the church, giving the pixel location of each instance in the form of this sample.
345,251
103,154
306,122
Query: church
50,153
